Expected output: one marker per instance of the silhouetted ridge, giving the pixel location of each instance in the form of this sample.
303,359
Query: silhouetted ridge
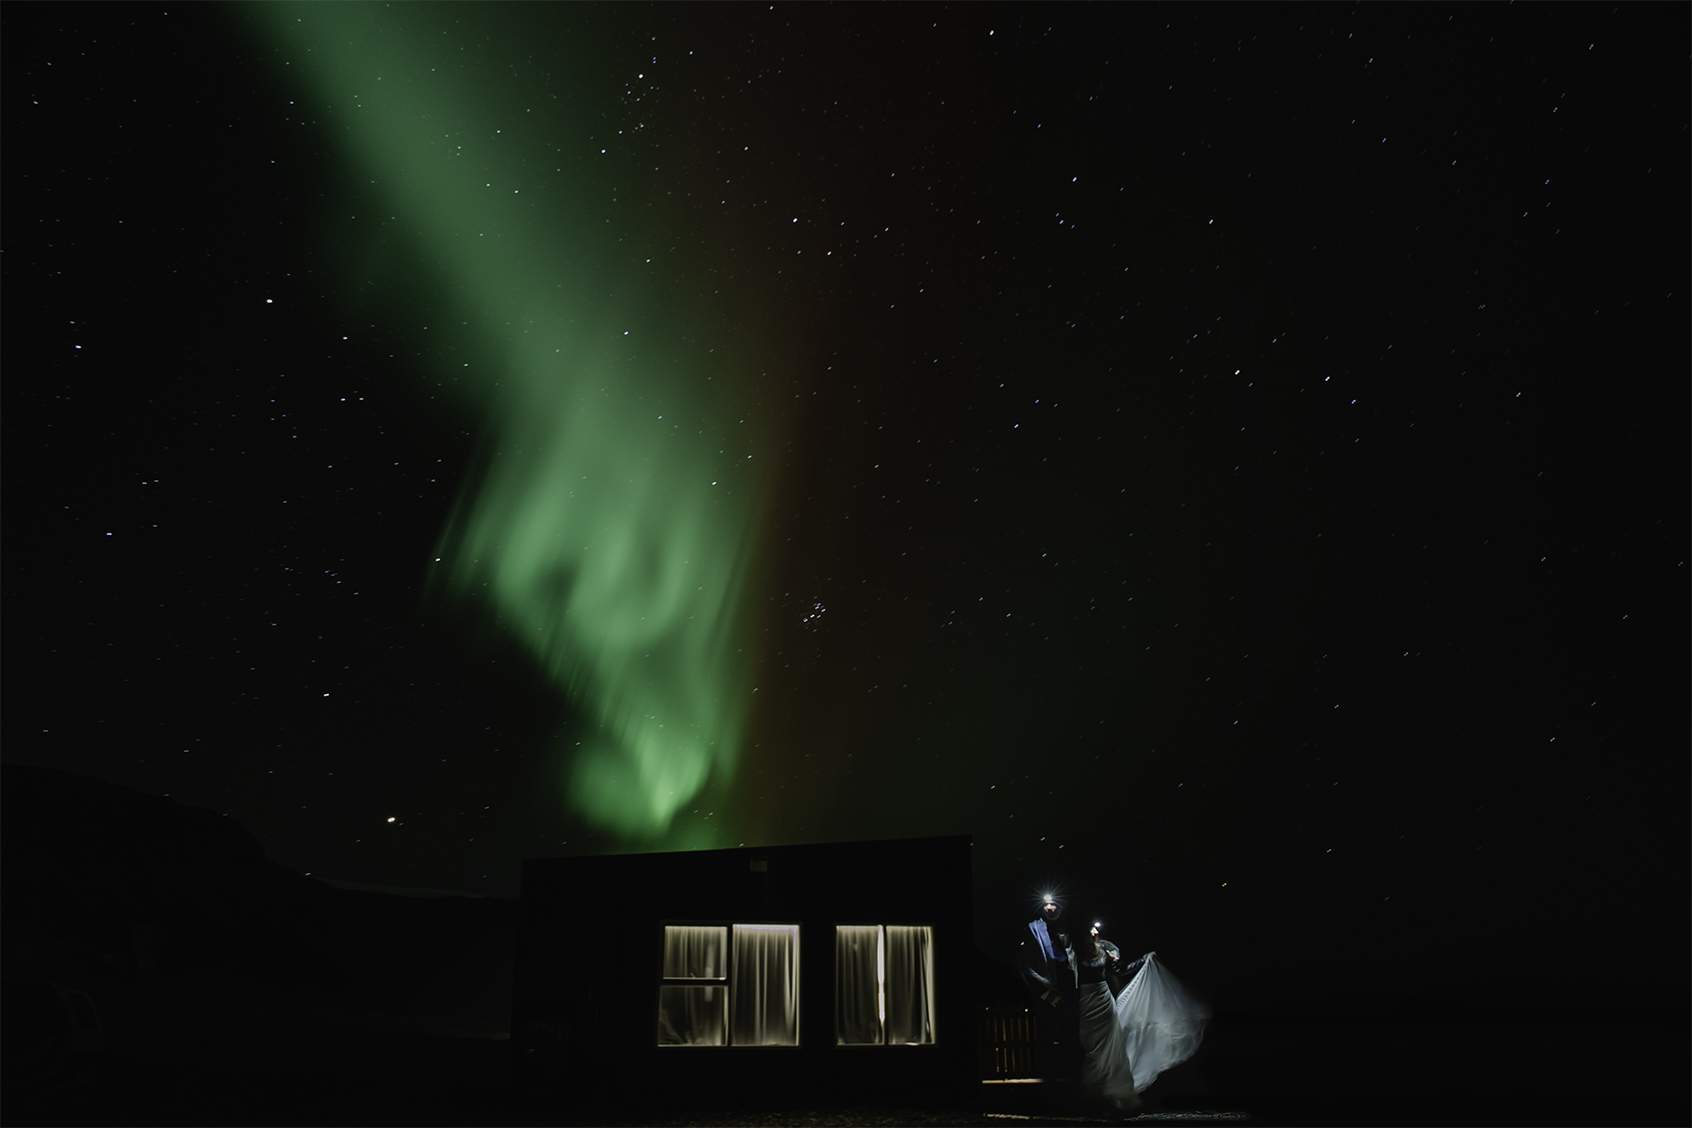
105,882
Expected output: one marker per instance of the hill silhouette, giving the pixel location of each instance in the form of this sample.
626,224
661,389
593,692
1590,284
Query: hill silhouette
106,885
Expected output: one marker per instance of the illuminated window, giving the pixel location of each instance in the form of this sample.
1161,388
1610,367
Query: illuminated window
693,999
715,994
883,985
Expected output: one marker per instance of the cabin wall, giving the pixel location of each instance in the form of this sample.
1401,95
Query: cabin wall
590,955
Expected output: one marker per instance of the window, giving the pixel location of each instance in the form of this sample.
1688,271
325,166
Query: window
765,1003
883,985
693,999
715,994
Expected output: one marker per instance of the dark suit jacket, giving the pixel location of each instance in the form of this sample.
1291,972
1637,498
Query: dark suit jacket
1043,964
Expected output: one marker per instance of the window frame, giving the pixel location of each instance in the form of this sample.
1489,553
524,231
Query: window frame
883,926
692,982
727,982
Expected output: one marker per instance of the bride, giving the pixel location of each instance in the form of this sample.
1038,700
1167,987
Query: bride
1128,1040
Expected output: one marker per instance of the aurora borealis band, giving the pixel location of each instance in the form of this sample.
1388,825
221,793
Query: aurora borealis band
611,526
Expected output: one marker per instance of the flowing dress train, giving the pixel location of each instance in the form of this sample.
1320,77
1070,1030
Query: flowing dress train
1126,1042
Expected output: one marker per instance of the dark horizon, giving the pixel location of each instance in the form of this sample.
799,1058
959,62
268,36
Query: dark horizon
1231,463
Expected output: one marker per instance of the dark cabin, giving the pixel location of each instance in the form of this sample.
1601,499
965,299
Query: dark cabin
836,972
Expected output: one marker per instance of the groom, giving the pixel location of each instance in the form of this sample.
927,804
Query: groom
1046,961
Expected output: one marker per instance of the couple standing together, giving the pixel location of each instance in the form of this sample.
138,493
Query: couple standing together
1114,1023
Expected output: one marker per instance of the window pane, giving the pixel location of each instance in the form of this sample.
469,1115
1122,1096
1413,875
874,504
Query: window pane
910,985
859,974
692,1015
765,1006
695,951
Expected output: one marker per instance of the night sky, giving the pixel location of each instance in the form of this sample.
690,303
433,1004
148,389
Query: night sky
1230,461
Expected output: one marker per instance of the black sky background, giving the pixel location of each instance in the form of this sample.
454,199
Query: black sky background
1373,666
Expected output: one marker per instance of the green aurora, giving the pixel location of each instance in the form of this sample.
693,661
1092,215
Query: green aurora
611,527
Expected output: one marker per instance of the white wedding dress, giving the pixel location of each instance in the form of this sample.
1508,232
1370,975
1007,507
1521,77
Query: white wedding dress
1127,1041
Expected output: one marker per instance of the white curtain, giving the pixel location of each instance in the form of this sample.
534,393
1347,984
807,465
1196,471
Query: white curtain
910,985
689,1014
764,1007
692,1016
859,975
695,951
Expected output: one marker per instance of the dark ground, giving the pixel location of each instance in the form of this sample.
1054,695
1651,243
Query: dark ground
265,1070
